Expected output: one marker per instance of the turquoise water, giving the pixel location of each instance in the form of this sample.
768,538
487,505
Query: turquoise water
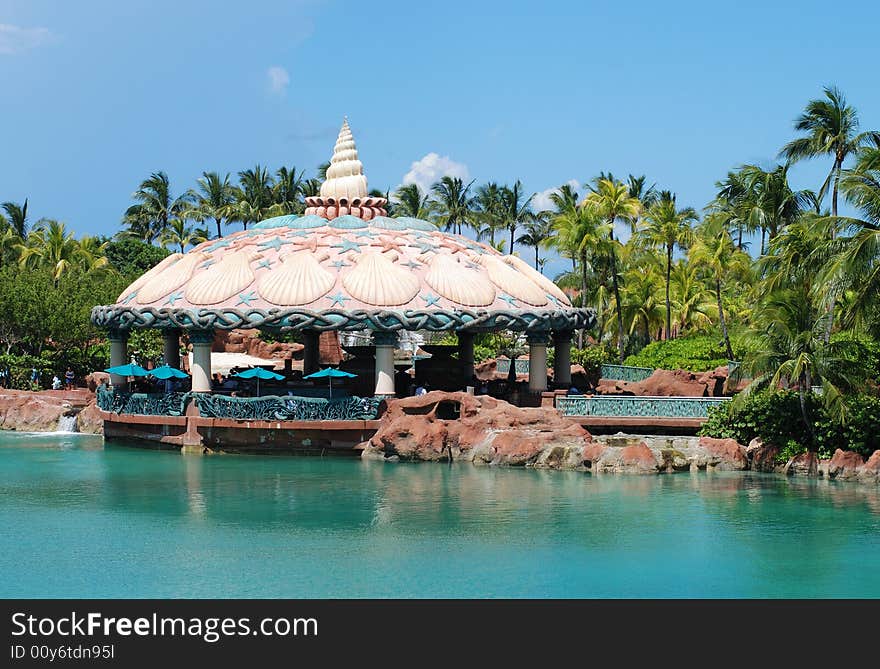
81,520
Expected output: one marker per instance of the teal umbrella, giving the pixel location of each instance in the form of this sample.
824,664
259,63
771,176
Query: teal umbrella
258,373
128,370
168,372
330,373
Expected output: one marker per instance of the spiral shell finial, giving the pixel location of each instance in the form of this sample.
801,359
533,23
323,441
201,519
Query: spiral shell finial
345,176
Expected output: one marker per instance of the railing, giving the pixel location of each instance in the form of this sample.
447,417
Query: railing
145,404
502,365
239,408
626,373
286,408
620,406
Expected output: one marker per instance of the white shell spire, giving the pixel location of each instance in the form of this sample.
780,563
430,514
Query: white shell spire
345,176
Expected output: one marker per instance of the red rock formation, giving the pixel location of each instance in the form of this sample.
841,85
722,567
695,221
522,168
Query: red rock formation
95,379
633,459
89,420
845,465
32,412
871,469
443,425
805,464
669,383
249,342
721,454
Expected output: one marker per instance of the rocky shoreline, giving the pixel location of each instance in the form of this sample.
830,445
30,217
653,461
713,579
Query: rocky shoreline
457,427
26,411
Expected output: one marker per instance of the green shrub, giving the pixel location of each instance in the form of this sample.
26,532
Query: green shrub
775,417
696,354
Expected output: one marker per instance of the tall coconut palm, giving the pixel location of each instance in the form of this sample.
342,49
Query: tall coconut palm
16,217
667,227
538,233
155,207
489,211
830,128
214,198
288,189
714,250
454,204
612,202
255,197
409,200
516,209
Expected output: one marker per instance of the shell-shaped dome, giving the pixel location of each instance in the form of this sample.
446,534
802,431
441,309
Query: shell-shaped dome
533,274
144,278
458,283
511,281
299,280
378,281
164,282
222,280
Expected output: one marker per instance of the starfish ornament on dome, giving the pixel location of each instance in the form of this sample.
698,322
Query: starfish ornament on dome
173,298
274,243
246,298
339,299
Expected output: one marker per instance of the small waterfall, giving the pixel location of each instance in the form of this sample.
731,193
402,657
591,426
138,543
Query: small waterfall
67,423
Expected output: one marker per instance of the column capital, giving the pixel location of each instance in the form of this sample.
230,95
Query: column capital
200,336
538,337
384,338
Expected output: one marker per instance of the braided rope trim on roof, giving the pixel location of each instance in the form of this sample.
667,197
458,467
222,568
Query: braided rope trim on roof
117,317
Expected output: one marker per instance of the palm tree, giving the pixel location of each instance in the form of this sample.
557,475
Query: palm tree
179,234
255,196
693,304
612,202
411,201
831,129
642,303
539,231
715,251
288,189
49,245
790,352
215,199
453,203
489,206
515,210
667,227
155,207
16,217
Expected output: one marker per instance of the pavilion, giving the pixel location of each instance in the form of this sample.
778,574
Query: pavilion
345,265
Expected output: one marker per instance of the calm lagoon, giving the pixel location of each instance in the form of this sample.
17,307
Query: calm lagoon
80,519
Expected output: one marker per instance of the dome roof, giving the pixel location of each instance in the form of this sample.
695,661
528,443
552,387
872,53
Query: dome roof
306,272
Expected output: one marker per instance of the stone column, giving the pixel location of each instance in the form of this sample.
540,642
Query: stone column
172,348
466,355
537,361
311,352
118,356
385,343
201,341
562,359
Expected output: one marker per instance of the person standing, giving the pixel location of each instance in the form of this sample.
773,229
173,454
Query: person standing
69,377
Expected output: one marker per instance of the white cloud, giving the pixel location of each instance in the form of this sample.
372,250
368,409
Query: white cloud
14,39
542,201
279,79
430,169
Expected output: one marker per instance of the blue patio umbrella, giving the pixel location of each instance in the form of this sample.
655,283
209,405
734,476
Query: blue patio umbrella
168,372
330,373
128,370
258,373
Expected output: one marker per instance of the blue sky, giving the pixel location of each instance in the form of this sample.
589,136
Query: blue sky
97,94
